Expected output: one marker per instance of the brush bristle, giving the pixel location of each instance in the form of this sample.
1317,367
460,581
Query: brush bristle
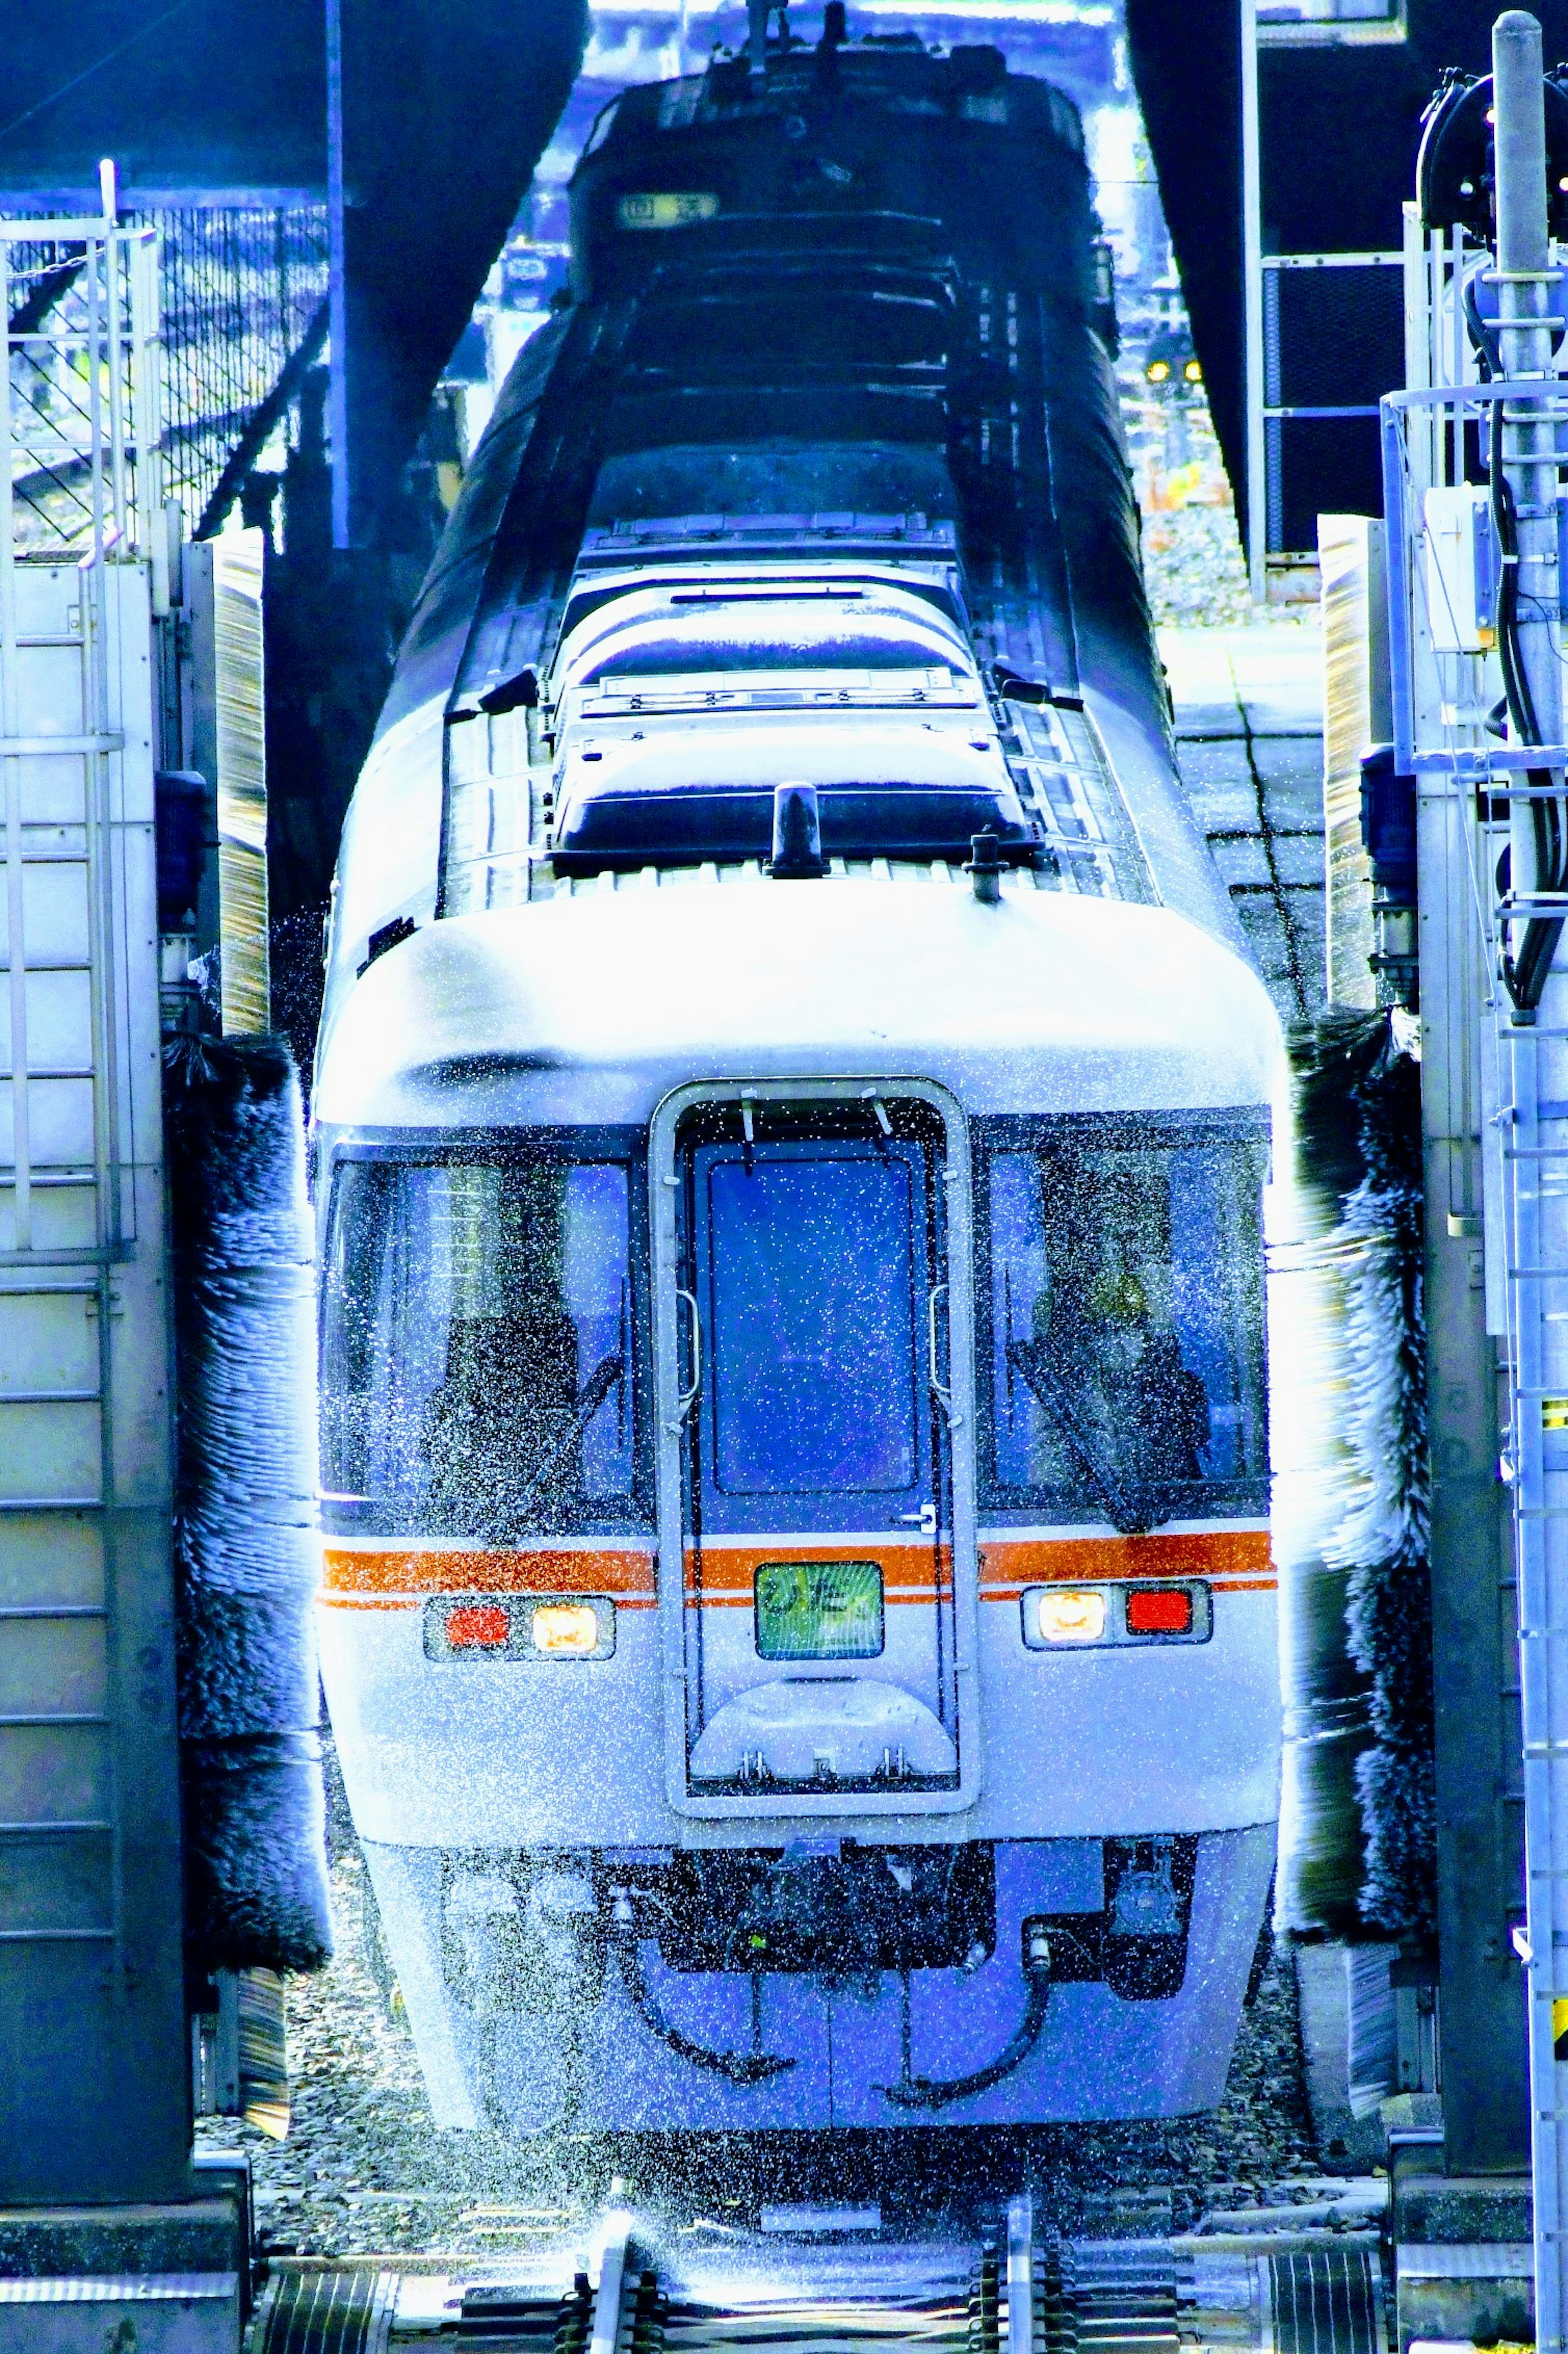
1358,1821
246,1511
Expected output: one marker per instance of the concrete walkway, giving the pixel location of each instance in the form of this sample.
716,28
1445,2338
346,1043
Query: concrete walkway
1249,734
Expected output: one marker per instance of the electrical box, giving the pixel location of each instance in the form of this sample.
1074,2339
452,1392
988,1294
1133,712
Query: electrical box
1461,570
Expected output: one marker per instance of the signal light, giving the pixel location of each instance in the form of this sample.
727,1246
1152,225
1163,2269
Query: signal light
1159,1610
1095,1618
478,1626
471,1627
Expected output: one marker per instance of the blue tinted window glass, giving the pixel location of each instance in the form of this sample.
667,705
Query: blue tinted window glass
813,1325
1128,1277
476,1373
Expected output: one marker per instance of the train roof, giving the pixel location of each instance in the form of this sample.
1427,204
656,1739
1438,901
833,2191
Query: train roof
586,1010
897,76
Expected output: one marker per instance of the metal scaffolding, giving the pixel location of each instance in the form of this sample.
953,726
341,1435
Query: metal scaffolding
84,425
91,2000
1494,892
240,298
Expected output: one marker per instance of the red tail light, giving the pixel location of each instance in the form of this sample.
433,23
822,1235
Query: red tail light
478,1626
1159,1610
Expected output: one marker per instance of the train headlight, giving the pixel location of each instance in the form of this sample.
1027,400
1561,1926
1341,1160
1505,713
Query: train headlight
1193,372
1068,1614
1158,371
567,1630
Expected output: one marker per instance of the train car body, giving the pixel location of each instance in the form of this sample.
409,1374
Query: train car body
790,1126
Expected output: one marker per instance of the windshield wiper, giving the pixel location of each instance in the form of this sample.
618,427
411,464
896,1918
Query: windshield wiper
586,1404
1132,1514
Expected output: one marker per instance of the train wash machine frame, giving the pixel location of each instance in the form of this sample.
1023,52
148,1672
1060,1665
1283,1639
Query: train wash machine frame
1475,572
112,2231
678,1375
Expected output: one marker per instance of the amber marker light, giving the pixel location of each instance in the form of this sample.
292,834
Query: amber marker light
566,1630
1070,1613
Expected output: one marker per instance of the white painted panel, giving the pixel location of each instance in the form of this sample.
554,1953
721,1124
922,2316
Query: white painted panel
50,1557
60,1113
53,1666
49,1340
59,1022
54,790
54,912
53,1773
49,599
64,1217
50,1451
48,692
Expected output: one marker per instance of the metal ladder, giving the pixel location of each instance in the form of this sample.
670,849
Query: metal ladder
89,1931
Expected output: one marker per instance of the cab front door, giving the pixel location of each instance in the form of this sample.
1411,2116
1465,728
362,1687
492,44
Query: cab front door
816,1488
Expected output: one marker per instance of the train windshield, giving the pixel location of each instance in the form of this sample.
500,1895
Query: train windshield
1126,1309
811,1275
476,1355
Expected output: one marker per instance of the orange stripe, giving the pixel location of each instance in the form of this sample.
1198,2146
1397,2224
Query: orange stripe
411,1601
1231,1559
1221,1585
368,1601
418,1570
1002,1592
1218,1555
743,1601
729,1571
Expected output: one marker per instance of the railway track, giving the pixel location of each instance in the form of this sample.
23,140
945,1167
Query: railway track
835,2286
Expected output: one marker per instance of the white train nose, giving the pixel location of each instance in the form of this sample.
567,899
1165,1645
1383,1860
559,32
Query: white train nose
801,1729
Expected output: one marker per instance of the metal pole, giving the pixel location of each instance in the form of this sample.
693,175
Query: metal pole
147,409
1252,281
1539,1073
1022,2336
337,287
1525,284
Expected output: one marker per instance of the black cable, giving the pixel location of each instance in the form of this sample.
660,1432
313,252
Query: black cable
939,2092
1524,977
1483,334
740,2067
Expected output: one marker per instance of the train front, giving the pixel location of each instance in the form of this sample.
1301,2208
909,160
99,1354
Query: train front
797,1613
798,1617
